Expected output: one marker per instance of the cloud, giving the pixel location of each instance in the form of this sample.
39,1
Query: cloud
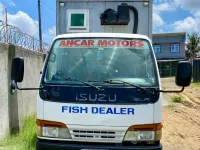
158,9
9,2
163,7
49,34
157,20
52,31
21,20
24,22
188,4
1,8
27,24
191,23
197,14
188,25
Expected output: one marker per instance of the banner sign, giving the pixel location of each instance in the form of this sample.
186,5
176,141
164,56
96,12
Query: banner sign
139,44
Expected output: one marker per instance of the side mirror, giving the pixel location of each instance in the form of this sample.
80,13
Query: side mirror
184,74
17,70
17,75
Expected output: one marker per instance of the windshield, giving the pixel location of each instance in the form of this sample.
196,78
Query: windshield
97,60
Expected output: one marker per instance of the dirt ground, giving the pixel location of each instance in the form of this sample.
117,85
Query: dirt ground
181,120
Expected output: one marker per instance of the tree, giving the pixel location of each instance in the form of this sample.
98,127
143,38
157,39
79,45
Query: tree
193,44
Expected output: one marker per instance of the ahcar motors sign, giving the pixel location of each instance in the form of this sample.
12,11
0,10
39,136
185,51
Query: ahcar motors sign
139,44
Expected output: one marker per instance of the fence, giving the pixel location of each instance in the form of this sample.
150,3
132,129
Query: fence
13,35
167,68
196,70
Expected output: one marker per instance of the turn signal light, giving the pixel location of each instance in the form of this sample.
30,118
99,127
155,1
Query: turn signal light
147,127
45,123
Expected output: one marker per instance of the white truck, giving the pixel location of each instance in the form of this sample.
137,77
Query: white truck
100,91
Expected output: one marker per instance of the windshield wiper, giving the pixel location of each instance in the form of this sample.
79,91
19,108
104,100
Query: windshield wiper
123,82
74,79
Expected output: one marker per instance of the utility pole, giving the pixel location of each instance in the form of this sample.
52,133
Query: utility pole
40,27
6,25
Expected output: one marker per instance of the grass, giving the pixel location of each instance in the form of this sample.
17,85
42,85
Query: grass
176,99
25,140
196,84
171,105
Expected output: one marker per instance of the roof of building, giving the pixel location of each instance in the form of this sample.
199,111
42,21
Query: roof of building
169,34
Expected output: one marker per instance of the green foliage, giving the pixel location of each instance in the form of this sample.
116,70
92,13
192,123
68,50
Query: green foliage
176,99
193,44
196,84
25,140
171,105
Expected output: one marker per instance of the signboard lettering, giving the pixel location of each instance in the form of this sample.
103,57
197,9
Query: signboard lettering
101,43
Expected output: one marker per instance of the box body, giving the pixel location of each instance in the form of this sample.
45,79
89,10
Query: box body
93,9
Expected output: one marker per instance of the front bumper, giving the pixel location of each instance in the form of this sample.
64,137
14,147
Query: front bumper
54,145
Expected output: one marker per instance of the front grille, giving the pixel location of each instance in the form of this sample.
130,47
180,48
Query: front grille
97,135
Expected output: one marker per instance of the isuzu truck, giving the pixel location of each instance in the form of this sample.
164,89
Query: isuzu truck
100,90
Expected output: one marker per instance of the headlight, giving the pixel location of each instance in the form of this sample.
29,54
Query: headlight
152,132
49,129
139,136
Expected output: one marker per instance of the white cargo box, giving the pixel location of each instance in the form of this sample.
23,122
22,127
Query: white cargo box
88,13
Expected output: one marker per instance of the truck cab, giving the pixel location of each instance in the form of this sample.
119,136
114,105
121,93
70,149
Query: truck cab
99,93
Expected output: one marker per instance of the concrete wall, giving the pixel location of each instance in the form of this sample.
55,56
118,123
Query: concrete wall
14,108
4,103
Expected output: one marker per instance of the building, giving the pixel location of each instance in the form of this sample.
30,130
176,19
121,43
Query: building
169,49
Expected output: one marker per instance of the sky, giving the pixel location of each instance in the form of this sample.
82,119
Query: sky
168,16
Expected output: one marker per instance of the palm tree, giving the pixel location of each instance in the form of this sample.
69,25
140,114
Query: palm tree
193,44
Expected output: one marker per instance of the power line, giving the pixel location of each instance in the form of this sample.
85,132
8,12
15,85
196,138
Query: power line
62,13
48,6
48,14
49,17
33,10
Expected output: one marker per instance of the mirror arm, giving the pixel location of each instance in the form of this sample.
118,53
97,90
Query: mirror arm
171,91
28,88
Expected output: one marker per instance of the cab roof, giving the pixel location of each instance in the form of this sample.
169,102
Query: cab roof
114,35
